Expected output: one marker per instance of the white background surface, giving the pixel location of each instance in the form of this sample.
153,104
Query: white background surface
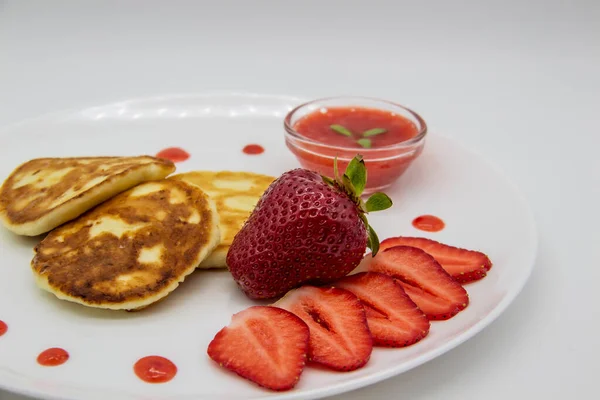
518,81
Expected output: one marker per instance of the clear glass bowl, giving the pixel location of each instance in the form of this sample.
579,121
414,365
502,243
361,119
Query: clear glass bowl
385,164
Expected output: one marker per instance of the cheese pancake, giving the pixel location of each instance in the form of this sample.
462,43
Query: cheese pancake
236,195
47,192
132,250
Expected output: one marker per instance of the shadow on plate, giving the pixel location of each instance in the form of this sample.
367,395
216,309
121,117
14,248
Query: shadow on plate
20,241
182,299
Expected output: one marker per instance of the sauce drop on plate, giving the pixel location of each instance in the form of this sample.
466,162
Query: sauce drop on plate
253,149
155,369
53,357
429,223
3,328
174,154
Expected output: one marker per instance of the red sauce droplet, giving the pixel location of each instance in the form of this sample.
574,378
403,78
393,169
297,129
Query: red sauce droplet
174,154
3,328
53,357
155,369
253,149
429,223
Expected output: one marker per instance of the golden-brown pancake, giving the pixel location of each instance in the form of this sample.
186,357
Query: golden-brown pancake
44,193
236,195
132,250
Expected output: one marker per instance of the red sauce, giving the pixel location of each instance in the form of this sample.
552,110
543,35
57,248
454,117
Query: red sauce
429,223
357,120
174,154
155,369
3,328
253,149
384,165
53,357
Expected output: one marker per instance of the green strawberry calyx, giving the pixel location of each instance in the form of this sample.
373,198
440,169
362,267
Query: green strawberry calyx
353,183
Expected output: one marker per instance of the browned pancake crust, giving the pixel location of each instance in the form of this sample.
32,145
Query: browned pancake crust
87,268
84,170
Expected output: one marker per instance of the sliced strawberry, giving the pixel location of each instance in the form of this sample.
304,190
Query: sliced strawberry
266,345
436,293
393,318
339,335
434,307
464,265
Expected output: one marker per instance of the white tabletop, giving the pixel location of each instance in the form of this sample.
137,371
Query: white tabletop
517,80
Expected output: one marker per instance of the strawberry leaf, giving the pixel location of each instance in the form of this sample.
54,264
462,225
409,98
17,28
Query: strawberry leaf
361,205
328,180
342,130
348,187
353,183
374,132
378,202
373,240
357,173
363,217
365,143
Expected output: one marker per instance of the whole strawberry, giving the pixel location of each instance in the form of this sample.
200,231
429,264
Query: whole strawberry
306,228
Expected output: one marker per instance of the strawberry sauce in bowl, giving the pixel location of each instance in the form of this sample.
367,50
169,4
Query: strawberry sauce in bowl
388,135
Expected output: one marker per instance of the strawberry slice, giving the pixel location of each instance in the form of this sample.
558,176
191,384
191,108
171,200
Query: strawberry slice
435,308
464,265
436,293
266,345
393,318
339,335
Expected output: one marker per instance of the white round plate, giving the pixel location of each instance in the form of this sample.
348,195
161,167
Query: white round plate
481,208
